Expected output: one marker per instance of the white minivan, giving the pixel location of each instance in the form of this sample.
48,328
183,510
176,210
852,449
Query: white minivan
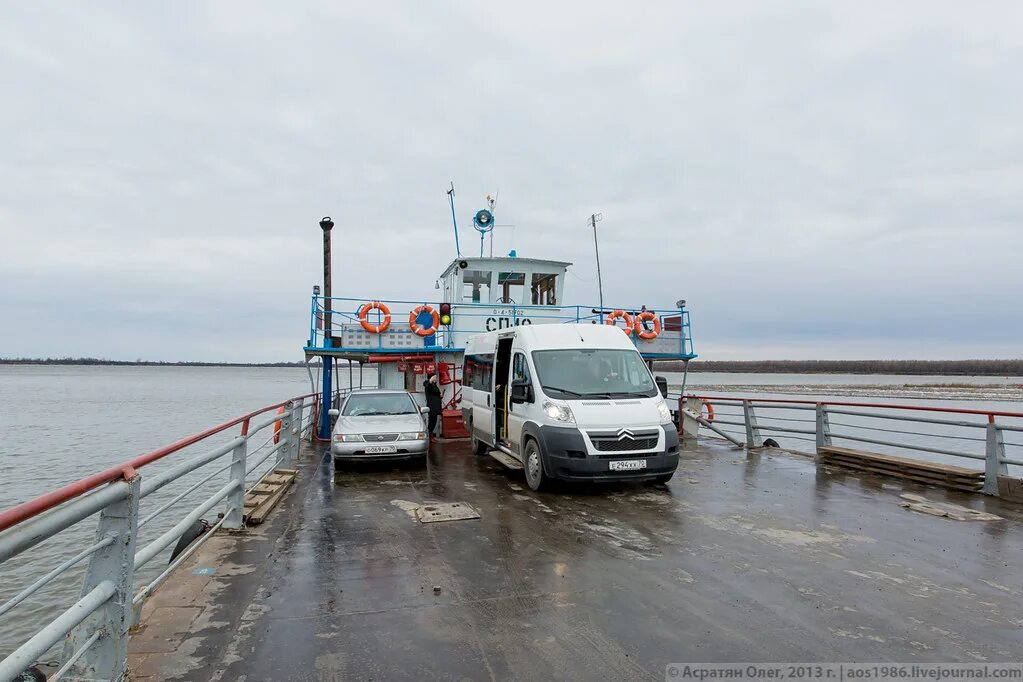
568,401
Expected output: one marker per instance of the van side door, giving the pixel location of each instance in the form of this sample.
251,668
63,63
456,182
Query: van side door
518,412
482,397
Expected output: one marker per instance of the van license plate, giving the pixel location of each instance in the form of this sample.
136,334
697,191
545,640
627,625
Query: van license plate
381,449
628,464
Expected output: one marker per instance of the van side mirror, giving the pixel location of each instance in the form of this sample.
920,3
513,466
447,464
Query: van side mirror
662,385
521,391
333,412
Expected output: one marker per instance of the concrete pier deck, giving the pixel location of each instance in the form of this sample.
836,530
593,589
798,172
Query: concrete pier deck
738,558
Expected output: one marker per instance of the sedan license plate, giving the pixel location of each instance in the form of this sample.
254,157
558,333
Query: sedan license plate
627,464
381,449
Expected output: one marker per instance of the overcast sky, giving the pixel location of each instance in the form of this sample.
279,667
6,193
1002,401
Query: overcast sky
818,180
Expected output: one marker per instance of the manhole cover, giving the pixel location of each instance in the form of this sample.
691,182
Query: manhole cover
431,512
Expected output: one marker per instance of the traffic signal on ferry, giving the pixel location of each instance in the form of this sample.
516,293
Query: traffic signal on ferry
445,313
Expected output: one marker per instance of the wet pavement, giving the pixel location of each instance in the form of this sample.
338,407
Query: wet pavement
738,558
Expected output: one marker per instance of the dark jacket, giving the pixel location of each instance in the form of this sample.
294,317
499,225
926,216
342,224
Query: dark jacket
433,397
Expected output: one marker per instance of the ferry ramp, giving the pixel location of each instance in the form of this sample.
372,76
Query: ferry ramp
738,558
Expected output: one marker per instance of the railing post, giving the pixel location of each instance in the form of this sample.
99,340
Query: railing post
753,437
287,420
107,658
296,429
690,427
235,515
823,427
314,416
994,453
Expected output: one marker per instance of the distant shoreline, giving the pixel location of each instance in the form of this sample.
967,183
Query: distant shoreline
994,368
90,362
1003,368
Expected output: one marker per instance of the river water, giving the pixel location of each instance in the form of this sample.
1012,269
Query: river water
61,423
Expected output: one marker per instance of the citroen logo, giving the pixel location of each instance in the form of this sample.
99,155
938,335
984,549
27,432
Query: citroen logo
624,434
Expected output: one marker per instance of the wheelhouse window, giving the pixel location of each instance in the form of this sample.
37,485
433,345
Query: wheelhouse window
476,286
510,286
544,289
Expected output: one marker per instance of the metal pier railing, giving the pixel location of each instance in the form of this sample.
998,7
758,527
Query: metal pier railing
94,629
943,434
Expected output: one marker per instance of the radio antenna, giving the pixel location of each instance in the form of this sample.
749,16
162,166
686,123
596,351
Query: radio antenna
492,203
594,219
454,221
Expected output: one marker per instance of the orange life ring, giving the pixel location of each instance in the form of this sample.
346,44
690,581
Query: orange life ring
374,328
710,411
419,329
642,333
615,314
277,425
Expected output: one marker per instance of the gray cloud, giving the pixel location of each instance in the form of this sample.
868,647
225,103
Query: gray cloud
817,180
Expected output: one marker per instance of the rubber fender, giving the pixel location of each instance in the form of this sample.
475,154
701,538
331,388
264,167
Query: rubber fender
194,532
771,443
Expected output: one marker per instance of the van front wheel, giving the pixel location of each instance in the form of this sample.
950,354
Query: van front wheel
533,464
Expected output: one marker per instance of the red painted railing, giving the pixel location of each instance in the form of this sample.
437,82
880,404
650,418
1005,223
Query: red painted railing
126,470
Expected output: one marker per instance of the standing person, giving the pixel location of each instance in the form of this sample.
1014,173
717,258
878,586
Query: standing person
433,401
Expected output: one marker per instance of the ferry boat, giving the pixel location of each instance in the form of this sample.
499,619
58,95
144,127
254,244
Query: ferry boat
407,339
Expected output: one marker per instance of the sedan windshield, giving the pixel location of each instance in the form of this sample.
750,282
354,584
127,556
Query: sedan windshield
583,373
377,404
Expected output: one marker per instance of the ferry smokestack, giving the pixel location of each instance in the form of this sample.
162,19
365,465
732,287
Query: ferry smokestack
326,224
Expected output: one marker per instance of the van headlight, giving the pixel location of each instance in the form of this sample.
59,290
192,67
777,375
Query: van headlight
558,412
665,413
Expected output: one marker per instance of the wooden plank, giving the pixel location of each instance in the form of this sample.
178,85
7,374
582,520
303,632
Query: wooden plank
933,466
948,482
897,468
926,478
266,505
905,461
910,479
973,478
265,496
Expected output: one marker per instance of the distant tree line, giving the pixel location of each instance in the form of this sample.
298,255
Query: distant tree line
934,367
144,363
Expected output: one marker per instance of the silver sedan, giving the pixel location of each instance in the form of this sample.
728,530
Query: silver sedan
379,424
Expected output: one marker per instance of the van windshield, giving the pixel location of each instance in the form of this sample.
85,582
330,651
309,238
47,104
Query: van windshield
597,373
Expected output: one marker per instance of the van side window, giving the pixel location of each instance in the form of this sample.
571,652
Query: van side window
480,371
520,368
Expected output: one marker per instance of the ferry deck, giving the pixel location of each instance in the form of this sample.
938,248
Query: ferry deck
759,557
